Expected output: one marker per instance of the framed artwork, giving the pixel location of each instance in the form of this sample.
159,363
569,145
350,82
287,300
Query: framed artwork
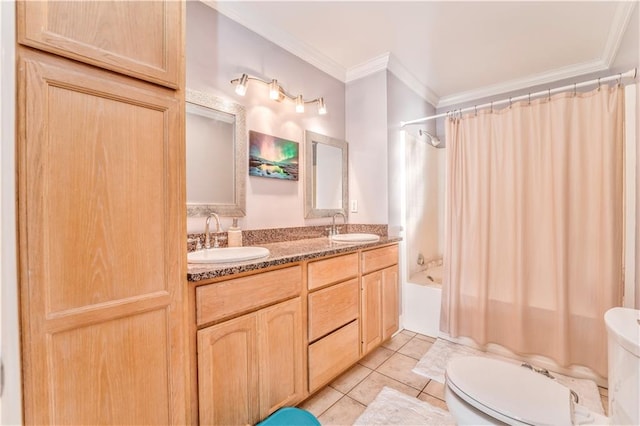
272,157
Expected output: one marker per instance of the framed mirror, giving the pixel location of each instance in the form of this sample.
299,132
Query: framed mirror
326,176
216,151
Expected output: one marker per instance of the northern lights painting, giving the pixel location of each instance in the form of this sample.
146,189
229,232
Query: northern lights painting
273,157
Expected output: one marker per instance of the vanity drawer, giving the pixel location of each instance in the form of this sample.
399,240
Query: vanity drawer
239,295
333,307
375,259
333,270
333,354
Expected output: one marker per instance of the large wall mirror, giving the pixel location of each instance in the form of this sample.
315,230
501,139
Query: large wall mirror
326,175
216,155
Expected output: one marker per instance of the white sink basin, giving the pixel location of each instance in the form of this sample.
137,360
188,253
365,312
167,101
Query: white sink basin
355,238
227,254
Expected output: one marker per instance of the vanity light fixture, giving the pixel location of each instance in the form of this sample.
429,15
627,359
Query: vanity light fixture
277,93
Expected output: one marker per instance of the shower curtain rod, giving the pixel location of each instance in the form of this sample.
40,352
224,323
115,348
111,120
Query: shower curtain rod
629,74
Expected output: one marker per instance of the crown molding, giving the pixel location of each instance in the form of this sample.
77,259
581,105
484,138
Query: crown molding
524,83
234,11
616,31
379,63
403,74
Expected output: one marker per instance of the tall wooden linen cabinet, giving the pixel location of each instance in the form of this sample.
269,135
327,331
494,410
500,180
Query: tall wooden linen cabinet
101,212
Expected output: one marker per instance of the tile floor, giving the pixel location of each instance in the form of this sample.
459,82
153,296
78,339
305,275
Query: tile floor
346,398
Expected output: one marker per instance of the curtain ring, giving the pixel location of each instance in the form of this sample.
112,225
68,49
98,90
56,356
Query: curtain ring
491,107
598,84
510,103
549,95
529,98
574,90
619,79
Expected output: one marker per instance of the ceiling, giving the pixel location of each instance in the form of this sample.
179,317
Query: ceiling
450,52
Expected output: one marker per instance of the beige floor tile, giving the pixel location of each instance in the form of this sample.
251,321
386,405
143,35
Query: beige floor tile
369,388
433,401
397,341
415,348
321,401
435,389
351,378
408,333
344,412
399,367
377,357
427,338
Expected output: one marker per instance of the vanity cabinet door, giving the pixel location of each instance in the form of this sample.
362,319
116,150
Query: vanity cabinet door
390,300
371,311
142,39
281,356
100,159
228,372
250,366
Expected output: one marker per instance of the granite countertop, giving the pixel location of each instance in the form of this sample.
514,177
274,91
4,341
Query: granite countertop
281,253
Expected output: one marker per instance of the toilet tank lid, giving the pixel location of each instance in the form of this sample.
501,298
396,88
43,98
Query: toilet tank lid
623,324
509,392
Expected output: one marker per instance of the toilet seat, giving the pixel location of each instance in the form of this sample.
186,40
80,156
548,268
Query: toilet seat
509,393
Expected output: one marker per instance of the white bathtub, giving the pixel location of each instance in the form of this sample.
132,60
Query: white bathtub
421,300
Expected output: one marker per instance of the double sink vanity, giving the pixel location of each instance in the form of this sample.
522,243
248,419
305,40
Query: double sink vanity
275,320
270,331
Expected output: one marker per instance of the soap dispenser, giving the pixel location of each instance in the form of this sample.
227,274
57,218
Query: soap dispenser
234,234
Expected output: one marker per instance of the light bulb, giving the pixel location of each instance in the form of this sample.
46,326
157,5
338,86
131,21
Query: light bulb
322,109
274,90
241,87
299,104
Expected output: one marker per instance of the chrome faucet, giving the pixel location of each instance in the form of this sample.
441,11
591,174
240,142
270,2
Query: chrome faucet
207,238
334,229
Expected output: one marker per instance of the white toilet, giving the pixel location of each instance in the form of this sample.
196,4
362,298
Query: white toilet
488,391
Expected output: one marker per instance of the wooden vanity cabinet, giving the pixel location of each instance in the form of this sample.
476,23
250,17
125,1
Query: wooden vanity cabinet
379,299
265,340
251,365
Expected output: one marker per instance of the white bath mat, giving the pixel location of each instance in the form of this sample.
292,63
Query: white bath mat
392,407
434,362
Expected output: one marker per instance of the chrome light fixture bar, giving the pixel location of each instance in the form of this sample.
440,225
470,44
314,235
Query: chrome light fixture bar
277,93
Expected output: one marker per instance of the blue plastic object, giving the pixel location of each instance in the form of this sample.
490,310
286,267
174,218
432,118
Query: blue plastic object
290,416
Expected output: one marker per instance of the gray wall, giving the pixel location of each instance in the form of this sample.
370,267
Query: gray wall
219,50
366,117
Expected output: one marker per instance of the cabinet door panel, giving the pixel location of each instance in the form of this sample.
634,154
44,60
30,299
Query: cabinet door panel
228,372
89,174
371,311
142,39
281,355
390,298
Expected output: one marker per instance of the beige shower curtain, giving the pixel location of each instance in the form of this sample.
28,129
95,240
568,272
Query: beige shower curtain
534,222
